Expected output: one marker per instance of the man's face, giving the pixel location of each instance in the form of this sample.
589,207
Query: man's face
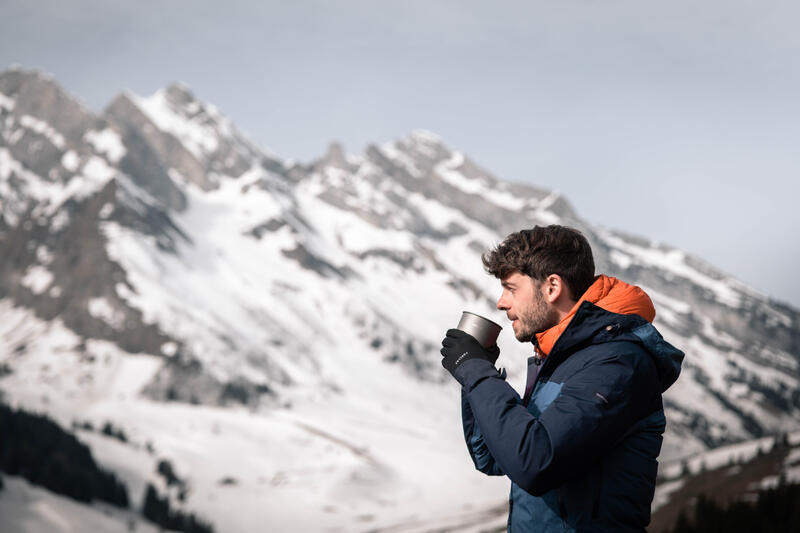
525,305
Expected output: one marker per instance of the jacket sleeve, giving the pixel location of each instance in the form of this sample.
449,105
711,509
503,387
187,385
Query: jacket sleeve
476,444
590,413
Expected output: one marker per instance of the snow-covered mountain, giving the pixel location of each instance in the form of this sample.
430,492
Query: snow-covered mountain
272,327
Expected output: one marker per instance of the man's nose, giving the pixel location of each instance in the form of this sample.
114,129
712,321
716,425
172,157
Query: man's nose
501,302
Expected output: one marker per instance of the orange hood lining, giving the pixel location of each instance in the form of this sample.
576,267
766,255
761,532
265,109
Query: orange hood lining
608,293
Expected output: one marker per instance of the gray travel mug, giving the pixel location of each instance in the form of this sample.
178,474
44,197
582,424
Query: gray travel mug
483,329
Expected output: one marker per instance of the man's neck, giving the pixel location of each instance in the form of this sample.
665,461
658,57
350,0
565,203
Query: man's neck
563,307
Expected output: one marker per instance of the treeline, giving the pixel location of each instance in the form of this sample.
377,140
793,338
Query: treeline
157,509
37,449
777,509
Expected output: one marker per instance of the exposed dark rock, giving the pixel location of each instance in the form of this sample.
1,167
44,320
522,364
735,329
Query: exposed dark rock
312,262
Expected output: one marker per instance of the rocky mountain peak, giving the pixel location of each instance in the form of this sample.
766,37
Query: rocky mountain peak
179,94
335,156
37,95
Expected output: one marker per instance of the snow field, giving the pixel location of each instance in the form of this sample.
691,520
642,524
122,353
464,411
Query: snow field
25,508
339,461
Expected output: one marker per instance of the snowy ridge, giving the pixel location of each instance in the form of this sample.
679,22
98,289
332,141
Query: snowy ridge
449,172
673,261
199,139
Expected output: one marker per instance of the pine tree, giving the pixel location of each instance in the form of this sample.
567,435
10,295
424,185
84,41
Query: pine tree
157,510
776,509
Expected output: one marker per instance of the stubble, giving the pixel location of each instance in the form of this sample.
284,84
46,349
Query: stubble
537,318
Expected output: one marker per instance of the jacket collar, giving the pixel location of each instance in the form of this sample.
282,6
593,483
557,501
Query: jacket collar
594,325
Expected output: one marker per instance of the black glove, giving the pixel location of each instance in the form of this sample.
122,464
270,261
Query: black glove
458,347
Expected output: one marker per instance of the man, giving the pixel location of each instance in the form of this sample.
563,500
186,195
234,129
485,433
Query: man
580,446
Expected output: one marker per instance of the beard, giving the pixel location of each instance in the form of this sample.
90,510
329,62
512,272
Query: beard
537,318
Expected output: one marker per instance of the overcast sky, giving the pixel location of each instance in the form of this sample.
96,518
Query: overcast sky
678,121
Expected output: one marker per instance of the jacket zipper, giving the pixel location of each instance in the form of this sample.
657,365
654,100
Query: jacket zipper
531,384
510,510
539,359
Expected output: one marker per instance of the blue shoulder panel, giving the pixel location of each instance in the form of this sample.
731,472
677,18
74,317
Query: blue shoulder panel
543,395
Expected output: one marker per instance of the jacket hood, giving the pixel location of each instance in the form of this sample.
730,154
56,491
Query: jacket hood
608,293
594,325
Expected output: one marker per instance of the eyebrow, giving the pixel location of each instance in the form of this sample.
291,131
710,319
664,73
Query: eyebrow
508,284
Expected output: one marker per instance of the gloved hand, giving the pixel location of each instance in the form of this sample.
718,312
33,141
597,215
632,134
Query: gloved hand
458,347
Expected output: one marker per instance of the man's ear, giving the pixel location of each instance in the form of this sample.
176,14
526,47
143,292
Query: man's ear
554,288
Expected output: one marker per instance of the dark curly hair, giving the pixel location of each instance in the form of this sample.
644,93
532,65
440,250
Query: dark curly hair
542,251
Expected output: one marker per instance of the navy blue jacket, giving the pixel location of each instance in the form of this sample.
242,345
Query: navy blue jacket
581,451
